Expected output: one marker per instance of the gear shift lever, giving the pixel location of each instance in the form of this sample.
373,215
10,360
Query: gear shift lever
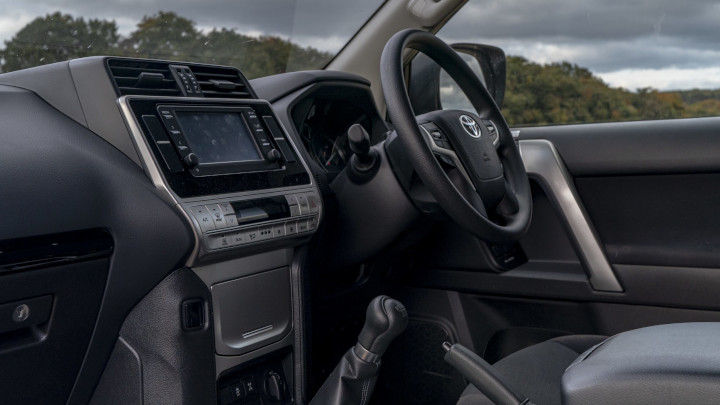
353,379
385,319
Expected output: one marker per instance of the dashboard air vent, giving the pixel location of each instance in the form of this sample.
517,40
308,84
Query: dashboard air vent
138,77
221,82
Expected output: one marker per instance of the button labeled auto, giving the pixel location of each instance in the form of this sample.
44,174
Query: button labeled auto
302,226
238,238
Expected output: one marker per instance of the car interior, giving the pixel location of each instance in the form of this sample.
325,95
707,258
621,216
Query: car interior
336,236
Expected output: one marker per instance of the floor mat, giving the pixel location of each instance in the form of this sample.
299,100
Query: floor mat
413,370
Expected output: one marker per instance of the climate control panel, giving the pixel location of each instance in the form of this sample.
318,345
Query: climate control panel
239,222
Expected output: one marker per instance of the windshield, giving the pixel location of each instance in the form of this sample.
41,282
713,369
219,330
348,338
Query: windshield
578,61
259,37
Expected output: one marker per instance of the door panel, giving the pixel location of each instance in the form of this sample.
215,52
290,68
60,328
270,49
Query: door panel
649,192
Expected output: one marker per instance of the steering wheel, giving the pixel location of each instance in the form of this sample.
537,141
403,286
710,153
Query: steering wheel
491,196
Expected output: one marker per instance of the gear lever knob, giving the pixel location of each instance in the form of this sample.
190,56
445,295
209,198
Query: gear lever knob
385,319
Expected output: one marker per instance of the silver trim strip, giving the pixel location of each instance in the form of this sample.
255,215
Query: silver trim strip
449,153
151,166
543,162
256,331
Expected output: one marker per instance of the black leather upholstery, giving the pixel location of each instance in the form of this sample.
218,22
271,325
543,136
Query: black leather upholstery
666,364
536,371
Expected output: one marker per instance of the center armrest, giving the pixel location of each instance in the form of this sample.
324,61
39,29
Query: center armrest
665,364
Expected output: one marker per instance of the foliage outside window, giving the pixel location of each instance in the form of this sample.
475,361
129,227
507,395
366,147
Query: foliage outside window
165,35
581,61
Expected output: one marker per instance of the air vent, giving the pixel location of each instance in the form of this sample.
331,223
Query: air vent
221,82
138,77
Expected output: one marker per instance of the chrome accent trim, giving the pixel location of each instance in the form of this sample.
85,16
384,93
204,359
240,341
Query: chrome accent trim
152,167
257,331
543,162
365,354
450,154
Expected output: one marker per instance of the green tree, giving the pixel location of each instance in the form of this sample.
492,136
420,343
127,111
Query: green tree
163,36
59,37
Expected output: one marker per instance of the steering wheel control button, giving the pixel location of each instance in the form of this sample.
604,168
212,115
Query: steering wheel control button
470,126
492,130
202,215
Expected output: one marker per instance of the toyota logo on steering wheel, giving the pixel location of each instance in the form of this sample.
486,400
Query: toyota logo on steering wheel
470,126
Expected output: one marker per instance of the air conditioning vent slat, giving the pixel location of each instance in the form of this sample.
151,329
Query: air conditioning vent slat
151,77
227,94
217,82
149,92
139,77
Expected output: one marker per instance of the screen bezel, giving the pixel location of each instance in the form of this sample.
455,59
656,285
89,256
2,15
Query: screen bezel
221,168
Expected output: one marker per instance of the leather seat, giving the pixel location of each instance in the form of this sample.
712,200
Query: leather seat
536,371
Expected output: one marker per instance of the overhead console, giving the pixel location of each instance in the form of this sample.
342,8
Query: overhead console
218,151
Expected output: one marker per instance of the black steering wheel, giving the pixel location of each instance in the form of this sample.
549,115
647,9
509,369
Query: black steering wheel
491,196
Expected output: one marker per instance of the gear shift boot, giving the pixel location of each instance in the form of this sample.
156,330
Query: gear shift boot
353,379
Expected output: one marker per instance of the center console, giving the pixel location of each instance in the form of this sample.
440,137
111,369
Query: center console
223,159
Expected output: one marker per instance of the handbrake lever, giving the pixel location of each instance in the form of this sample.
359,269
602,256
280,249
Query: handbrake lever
481,374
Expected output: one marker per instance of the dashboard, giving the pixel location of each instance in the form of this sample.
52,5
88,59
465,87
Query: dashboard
182,196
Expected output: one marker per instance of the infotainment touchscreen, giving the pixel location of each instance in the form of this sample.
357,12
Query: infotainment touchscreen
218,137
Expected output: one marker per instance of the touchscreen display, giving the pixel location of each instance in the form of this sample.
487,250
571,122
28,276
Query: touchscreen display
218,137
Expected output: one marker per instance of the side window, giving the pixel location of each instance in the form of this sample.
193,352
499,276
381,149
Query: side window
583,63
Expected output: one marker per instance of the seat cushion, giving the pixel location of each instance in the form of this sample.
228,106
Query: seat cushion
536,372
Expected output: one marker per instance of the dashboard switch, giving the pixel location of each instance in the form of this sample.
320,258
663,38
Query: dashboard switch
190,160
237,391
217,216
314,203
303,203
274,386
203,217
274,156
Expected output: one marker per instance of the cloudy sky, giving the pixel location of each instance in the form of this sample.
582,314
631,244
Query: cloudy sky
666,44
